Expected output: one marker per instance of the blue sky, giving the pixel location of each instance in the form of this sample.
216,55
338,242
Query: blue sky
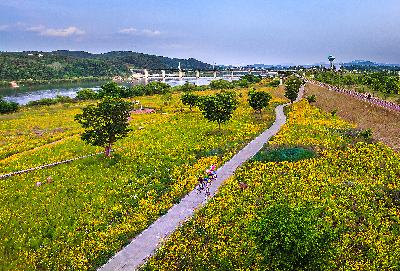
221,31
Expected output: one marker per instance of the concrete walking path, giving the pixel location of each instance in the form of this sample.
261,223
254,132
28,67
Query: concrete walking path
144,244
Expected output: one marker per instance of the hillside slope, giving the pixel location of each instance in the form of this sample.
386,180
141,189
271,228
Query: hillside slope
68,64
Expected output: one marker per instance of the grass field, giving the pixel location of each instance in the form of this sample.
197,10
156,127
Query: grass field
352,185
384,123
92,207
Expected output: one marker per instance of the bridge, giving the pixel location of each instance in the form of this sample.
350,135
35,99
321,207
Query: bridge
138,74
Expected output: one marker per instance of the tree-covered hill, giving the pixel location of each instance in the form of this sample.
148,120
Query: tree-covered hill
67,64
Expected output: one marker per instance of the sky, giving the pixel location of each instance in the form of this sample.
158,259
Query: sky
236,32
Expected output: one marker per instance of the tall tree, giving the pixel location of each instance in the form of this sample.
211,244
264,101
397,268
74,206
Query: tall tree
219,107
190,99
105,123
292,86
258,99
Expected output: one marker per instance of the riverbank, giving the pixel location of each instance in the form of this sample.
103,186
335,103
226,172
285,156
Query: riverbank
30,84
23,95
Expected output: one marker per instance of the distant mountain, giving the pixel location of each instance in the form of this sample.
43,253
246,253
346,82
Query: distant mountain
67,64
360,63
368,63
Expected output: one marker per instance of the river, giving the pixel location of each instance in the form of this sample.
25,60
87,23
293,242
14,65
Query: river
22,95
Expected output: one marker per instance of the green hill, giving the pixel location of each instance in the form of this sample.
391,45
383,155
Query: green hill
69,64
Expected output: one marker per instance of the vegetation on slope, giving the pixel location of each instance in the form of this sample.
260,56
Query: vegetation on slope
384,123
337,211
383,83
72,64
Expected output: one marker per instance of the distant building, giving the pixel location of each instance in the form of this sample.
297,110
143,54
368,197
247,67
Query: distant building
14,84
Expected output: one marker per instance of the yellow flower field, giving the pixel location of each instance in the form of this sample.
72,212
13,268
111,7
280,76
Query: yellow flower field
91,207
355,185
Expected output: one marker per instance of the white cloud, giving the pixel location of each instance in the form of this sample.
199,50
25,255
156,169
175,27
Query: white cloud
53,32
129,30
149,32
4,27
142,32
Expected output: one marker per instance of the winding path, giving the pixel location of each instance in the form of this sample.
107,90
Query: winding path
143,245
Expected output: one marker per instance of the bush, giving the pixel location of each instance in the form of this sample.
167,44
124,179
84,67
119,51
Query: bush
221,84
8,107
44,101
284,154
86,94
63,99
138,90
293,238
274,83
311,98
156,87
243,83
251,78
366,134
187,87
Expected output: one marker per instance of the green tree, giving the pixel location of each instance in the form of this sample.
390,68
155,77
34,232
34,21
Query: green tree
219,107
105,123
221,84
293,238
187,87
156,87
274,83
292,85
86,94
251,78
258,99
190,99
110,89
7,107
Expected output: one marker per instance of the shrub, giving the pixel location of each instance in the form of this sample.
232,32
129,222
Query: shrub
156,87
311,98
293,238
44,101
86,94
243,83
187,87
274,83
221,84
8,107
63,99
366,134
284,154
251,78
138,90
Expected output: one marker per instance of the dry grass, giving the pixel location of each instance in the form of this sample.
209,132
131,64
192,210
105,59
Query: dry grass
384,123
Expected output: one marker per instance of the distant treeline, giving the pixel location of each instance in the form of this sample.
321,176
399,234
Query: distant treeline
15,66
112,89
387,82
